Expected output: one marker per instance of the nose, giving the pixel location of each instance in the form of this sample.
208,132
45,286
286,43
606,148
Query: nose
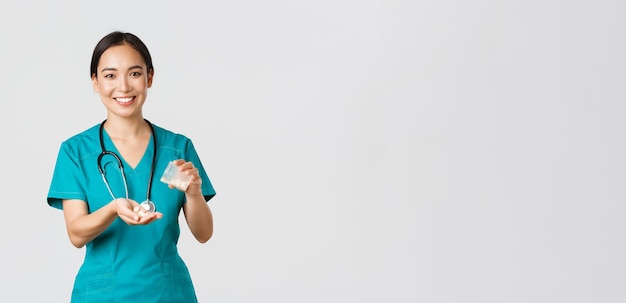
123,84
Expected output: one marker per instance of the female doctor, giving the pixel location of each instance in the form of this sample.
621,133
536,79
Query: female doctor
106,181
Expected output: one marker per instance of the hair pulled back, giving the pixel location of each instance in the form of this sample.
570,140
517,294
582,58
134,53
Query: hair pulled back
118,38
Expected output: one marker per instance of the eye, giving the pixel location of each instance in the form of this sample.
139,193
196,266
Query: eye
109,76
135,74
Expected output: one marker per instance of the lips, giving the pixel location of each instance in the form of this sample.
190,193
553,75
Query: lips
124,100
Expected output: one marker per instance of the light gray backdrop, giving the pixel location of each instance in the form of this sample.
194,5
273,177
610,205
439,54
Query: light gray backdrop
362,151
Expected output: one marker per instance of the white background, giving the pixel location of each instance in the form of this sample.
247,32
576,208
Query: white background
362,151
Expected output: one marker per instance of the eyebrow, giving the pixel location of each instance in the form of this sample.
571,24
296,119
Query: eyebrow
115,69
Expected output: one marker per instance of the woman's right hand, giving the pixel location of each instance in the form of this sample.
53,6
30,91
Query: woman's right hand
132,213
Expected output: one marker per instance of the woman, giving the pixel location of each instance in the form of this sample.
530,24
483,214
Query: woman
102,176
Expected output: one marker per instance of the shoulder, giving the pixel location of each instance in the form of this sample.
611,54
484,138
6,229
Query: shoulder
168,137
87,139
167,133
81,145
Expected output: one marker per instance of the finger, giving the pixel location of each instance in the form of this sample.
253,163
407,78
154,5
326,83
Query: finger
185,166
146,219
150,217
131,220
196,179
196,174
192,172
128,214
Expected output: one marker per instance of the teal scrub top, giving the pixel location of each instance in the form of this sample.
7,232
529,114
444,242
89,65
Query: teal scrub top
128,263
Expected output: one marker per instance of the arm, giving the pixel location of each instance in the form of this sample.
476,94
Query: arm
82,226
197,212
199,217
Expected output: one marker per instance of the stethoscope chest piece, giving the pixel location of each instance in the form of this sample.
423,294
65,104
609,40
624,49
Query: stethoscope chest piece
148,206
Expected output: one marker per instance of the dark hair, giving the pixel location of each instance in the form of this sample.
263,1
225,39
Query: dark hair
118,38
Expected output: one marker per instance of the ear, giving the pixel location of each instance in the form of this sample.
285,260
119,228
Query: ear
150,76
94,83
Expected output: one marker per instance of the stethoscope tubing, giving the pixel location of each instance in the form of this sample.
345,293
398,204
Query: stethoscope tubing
121,165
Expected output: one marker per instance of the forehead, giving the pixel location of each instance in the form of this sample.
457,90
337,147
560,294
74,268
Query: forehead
120,56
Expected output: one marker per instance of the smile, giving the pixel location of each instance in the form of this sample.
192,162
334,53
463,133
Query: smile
124,99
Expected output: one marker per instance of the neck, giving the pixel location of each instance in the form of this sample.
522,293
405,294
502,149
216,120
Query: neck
126,128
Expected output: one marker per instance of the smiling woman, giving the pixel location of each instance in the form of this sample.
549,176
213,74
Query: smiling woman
131,247
119,69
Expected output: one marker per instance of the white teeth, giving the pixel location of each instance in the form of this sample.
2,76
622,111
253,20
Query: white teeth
124,100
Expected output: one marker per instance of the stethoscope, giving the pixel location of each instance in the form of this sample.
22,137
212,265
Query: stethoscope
147,205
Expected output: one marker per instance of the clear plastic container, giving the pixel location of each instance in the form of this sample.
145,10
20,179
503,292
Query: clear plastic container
172,176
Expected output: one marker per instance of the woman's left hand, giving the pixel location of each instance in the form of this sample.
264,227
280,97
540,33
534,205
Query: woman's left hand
189,169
